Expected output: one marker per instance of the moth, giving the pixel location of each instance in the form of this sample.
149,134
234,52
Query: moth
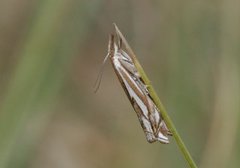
135,88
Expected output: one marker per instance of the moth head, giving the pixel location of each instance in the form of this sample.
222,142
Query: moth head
111,46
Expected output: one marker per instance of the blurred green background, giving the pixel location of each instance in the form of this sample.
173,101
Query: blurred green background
50,55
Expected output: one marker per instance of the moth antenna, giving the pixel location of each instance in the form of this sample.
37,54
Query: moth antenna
110,51
99,77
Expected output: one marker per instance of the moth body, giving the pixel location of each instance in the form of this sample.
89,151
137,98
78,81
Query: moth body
148,114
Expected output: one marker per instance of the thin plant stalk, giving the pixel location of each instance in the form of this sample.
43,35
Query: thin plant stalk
160,106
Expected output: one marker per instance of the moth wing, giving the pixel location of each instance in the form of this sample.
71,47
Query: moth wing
146,125
164,128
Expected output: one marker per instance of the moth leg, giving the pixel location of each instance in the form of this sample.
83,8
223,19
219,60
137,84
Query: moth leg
147,86
142,83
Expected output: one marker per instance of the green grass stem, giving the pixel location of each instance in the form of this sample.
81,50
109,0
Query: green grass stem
160,106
